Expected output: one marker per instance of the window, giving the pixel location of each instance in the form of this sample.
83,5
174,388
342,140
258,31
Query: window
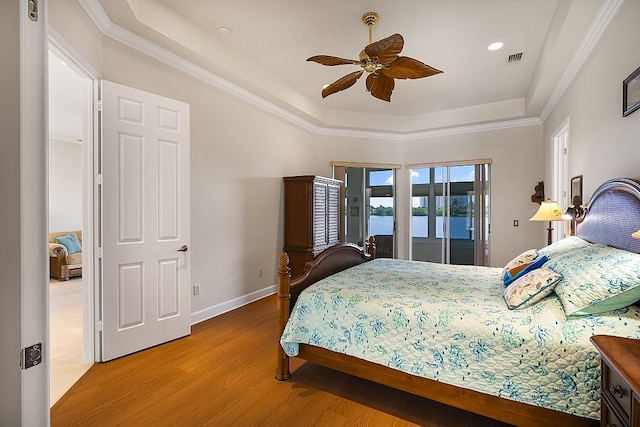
369,205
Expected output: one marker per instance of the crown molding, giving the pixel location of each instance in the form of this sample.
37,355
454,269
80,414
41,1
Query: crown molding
599,25
485,127
126,37
60,46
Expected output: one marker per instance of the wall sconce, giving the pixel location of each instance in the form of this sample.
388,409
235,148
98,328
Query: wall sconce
549,211
574,213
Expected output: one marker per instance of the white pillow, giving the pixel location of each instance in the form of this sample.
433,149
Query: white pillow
531,288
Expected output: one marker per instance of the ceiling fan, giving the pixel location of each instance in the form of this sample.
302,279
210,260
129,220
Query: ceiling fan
381,61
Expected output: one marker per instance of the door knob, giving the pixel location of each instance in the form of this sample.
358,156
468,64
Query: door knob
183,248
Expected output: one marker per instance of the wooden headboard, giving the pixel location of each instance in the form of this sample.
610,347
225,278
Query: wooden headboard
613,213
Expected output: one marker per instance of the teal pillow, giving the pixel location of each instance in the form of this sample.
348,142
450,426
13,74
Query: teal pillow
70,242
596,279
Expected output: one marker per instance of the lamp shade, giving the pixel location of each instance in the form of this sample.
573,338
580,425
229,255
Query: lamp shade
549,211
636,235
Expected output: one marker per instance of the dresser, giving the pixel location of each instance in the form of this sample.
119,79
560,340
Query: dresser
620,397
311,218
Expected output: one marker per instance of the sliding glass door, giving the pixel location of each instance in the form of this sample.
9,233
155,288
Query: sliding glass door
450,214
369,206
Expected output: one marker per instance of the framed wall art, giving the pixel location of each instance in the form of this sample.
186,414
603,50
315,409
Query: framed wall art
576,190
631,93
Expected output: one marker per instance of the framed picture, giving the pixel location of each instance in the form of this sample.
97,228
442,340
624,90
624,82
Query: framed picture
576,190
631,93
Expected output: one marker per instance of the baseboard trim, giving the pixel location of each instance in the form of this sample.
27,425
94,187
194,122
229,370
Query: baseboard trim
216,310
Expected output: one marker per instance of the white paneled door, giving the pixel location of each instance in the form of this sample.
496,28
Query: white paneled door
146,270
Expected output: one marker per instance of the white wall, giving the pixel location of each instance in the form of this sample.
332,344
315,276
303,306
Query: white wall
602,143
240,153
516,168
238,156
65,186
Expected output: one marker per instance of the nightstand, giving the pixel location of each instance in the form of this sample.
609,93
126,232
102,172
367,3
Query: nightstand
620,397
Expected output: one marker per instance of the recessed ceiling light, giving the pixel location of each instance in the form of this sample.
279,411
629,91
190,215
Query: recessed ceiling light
495,46
224,30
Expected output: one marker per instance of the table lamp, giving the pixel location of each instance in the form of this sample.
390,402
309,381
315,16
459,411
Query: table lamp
549,211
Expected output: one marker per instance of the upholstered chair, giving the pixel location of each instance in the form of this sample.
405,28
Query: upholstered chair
65,254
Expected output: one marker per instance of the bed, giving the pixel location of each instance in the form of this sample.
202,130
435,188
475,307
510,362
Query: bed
446,333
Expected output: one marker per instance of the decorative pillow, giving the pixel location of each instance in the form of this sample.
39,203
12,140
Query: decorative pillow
597,279
524,258
531,288
523,269
70,242
563,246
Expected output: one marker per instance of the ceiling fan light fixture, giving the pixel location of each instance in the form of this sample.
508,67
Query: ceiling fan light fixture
382,63
497,45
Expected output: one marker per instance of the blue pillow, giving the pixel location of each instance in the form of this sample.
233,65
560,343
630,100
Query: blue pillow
537,263
70,242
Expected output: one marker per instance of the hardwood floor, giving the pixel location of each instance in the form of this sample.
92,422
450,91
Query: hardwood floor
65,332
223,374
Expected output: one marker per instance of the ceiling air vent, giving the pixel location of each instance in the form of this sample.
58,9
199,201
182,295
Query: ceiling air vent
514,57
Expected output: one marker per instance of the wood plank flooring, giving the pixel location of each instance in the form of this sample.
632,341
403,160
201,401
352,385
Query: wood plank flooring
223,375
65,334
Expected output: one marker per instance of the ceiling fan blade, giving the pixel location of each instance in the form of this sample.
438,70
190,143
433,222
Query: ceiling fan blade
380,86
332,60
342,83
387,49
408,68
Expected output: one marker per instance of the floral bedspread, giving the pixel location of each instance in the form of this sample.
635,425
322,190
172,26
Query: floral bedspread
451,324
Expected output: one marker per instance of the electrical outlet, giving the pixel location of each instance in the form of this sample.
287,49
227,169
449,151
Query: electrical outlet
260,272
196,289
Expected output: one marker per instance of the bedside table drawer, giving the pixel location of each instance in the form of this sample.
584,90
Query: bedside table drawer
610,419
616,390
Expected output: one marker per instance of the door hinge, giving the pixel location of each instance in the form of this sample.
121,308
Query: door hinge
32,10
99,325
98,179
98,253
98,105
31,356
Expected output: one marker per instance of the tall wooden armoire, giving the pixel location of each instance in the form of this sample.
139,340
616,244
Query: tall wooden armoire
311,218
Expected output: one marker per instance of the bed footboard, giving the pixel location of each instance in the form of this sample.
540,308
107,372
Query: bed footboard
335,259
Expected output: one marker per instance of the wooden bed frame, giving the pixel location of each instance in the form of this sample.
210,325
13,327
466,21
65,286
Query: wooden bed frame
612,215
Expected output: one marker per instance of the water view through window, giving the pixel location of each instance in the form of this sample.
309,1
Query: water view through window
446,217
460,228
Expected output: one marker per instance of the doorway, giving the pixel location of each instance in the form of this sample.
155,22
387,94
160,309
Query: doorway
560,177
71,303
